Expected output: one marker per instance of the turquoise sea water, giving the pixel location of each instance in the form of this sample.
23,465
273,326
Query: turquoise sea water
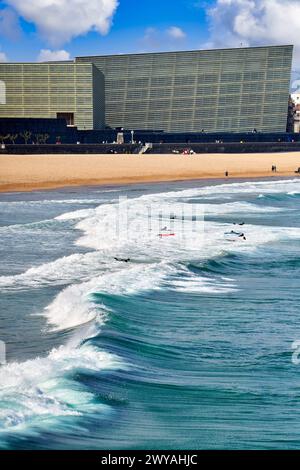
189,345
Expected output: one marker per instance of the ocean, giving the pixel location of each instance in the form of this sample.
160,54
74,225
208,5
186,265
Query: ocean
136,317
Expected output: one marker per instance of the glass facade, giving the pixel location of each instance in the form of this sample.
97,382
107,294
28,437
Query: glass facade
52,89
228,90
225,90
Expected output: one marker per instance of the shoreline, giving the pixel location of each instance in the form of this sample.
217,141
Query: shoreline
25,173
28,188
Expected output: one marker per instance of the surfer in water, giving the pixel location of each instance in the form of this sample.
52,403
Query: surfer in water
123,260
236,235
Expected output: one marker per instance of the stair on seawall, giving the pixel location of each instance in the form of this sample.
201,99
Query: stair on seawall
146,147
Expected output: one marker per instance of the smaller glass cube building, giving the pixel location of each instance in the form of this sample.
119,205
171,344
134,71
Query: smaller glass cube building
55,90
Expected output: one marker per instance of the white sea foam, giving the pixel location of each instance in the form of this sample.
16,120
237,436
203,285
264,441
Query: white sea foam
100,230
293,193
32,226
201,285
237,208
228,189
103,229
99,227
74,305
73,268
80,214
44,387
188,282
42,202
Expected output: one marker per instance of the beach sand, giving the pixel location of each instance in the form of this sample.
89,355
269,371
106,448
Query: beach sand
30,172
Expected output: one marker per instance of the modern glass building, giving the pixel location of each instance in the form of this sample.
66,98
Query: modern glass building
65,90
225,90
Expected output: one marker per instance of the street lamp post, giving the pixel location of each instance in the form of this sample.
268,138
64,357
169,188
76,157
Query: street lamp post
132,133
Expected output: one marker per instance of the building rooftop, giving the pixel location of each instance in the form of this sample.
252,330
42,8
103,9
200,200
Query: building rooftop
189,51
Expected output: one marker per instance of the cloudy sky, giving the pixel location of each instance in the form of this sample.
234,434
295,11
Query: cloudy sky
37,30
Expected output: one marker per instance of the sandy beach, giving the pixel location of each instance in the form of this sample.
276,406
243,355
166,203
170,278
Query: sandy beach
32,172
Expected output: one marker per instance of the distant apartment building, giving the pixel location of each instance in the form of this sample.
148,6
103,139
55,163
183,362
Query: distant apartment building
225,90
296,100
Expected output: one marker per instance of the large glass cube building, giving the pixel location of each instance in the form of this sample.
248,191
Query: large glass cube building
225,90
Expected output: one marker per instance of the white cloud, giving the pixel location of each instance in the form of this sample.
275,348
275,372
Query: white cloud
3,57
255,22
46,55
162,39
149,33
58,21
9,24
176,33
151,38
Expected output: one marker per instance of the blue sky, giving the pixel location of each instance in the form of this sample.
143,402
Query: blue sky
137,26
34,30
